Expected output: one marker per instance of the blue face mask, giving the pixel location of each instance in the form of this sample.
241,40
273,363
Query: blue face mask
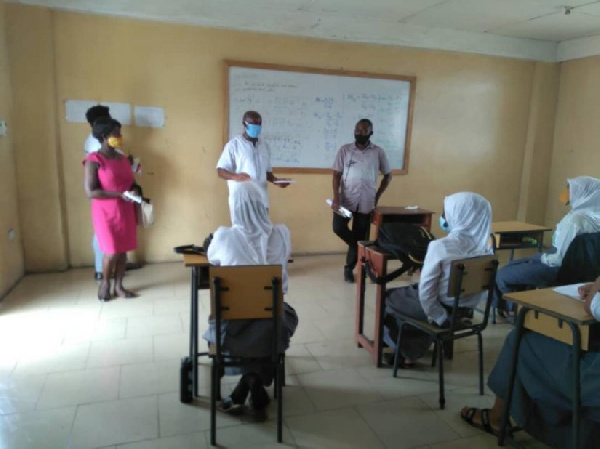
252,130
444,224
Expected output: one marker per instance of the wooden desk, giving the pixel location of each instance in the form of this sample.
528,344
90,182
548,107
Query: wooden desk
197,263
378,260
384,214
545,311
510,235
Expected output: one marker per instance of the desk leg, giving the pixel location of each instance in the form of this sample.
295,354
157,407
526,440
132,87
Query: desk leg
576,383
359,313
540,242
513,372
194,330
379,317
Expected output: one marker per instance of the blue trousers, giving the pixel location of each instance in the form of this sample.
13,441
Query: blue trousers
98,256
522,273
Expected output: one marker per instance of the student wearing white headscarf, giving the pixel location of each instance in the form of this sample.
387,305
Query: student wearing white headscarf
252,240
467,218
540,270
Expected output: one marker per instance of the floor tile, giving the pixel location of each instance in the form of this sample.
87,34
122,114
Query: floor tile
177,418
337,388
121,352
115,422
80,387
48,429
406,423
141,379
187,441
343,428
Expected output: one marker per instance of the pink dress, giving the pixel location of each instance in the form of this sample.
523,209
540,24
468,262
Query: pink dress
114,219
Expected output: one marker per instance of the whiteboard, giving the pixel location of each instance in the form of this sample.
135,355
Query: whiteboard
307,116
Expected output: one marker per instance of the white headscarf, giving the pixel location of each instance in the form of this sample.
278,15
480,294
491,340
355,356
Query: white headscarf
253,239
469,216
584,217
584,194
251,219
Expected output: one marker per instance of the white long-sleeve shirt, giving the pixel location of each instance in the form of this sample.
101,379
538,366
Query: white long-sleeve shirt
567,229
435,275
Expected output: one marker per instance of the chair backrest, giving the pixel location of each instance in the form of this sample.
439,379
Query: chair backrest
469,276
245,291
581,262
473,275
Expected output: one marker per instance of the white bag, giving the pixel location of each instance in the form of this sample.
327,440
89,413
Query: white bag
145,213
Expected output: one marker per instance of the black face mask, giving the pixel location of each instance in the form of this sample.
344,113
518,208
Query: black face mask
361,140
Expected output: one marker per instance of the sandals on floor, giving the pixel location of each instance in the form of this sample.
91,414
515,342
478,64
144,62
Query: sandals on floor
485,422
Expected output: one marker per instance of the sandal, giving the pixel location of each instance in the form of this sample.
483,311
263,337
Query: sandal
485,420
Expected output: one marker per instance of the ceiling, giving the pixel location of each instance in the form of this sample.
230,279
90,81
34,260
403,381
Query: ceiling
545,30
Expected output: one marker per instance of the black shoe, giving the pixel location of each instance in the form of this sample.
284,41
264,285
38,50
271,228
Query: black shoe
98,276
230,407
259,398
348,276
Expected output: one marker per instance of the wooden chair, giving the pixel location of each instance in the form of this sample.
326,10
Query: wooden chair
241,293
467,277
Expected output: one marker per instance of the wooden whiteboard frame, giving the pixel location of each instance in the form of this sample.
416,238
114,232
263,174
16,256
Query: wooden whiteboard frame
284,68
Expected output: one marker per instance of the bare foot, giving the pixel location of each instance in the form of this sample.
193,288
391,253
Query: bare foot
104,292
124,293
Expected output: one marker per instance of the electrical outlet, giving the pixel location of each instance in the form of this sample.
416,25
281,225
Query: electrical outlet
12,234
3,128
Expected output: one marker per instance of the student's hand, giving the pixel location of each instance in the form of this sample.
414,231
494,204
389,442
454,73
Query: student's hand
281,185
584,290
242,177
588,291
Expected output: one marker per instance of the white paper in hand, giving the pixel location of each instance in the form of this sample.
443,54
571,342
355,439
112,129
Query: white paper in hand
341,210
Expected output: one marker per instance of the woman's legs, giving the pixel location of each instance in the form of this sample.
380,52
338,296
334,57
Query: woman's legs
121,261
108,268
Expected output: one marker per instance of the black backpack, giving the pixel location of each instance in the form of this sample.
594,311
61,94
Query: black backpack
407,242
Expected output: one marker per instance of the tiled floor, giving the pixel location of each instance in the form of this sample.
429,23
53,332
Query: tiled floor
77,373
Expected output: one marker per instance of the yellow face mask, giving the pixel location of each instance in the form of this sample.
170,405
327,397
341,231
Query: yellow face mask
115,142
564,196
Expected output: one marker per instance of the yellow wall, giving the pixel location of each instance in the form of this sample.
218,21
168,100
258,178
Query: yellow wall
11,255
471,122
577,131
31,51
538,148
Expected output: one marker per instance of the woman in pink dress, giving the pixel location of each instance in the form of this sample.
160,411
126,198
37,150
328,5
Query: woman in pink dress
108,177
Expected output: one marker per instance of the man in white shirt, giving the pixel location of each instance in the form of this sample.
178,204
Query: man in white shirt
355,171
246,157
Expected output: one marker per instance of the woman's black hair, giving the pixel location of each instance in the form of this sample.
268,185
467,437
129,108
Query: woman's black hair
104,127
95,112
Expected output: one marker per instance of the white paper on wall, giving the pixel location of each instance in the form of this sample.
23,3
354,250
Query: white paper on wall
75,110
148,116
